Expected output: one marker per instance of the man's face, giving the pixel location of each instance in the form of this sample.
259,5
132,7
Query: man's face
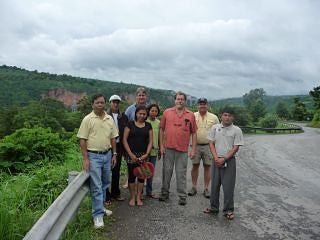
227,119
202,107
180,102
114,105
141,98
99,104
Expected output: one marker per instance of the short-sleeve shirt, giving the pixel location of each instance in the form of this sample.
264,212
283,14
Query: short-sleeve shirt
155,135
138,138
130,111
178,128
225,138
98,132
204,125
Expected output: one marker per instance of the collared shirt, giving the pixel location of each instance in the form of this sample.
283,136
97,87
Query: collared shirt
155,136
130,111
225,138
204,125
178,128
98,132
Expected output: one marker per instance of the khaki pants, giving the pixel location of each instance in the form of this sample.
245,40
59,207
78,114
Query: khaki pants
180,161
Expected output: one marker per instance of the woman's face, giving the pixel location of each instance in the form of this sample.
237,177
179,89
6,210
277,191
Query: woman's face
141,115
153,113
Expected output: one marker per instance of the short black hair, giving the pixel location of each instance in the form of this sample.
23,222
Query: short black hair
154,105
96,96
139,108
227,110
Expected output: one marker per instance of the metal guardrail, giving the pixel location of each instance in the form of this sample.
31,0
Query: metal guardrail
53,222
291,128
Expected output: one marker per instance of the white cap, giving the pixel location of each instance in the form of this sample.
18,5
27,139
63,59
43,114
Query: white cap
114,97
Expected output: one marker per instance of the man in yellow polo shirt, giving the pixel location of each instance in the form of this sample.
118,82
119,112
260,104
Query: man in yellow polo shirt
97,135
205,120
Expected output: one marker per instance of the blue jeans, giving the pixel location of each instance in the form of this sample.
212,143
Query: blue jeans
100,172
153,160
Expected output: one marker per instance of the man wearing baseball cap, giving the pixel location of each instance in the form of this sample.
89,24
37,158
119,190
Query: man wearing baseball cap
121,120
204,120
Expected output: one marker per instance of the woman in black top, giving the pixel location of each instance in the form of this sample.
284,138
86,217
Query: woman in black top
137,141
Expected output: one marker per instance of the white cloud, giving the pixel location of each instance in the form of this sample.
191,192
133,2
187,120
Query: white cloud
205,48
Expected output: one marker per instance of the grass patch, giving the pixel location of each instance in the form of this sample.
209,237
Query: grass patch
25,197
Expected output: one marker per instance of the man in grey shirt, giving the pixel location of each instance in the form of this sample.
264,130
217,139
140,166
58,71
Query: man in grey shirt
224,142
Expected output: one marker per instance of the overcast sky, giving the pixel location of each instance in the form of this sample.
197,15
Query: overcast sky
215,49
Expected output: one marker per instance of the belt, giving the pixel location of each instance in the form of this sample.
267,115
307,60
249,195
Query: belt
99,152
203,144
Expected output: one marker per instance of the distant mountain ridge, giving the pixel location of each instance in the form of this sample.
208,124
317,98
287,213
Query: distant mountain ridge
271,102
20,87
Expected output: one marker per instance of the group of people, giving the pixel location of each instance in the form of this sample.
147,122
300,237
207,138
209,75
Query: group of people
139,136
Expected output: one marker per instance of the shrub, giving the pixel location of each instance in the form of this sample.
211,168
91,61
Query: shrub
316,120
27,148
269,121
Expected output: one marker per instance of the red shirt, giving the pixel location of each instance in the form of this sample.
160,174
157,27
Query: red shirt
178,128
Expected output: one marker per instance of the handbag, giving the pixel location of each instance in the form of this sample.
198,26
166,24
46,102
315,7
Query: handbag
144,170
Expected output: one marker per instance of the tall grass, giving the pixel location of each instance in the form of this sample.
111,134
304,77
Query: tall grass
25,197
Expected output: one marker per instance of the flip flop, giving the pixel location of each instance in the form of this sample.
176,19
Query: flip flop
229,215
210,211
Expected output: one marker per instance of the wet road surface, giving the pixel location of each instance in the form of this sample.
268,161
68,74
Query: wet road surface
277,196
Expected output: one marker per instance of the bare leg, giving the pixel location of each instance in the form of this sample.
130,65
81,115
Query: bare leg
194,175
132,189
207,176
139,193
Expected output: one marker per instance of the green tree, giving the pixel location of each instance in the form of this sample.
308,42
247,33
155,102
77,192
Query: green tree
6,120
315,93
269,121
26,148
46,113
282,110
254,102
299,111
85,106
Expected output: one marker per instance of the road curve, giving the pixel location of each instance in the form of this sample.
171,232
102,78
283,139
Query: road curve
277,197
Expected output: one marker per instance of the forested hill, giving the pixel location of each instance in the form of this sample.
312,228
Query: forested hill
20,87
270,101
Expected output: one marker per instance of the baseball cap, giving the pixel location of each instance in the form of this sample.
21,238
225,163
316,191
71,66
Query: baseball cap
202,100
114,97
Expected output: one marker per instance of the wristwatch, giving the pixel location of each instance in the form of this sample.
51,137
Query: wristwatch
115,154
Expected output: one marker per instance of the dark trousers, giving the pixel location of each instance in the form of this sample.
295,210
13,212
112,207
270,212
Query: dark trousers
115,189
227,178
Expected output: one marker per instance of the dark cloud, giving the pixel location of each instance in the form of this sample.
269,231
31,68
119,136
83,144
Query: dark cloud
206,48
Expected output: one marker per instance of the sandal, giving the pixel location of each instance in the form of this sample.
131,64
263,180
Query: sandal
210,211
229,215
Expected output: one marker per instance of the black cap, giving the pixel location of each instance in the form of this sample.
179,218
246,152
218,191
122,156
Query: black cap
202,100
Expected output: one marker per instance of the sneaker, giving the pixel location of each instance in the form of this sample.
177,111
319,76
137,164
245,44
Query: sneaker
163,198
182,201
206,193
98,222
192,192
107,212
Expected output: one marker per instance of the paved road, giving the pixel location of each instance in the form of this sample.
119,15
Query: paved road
277,197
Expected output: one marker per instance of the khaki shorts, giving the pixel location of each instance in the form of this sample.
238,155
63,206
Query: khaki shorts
203,152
